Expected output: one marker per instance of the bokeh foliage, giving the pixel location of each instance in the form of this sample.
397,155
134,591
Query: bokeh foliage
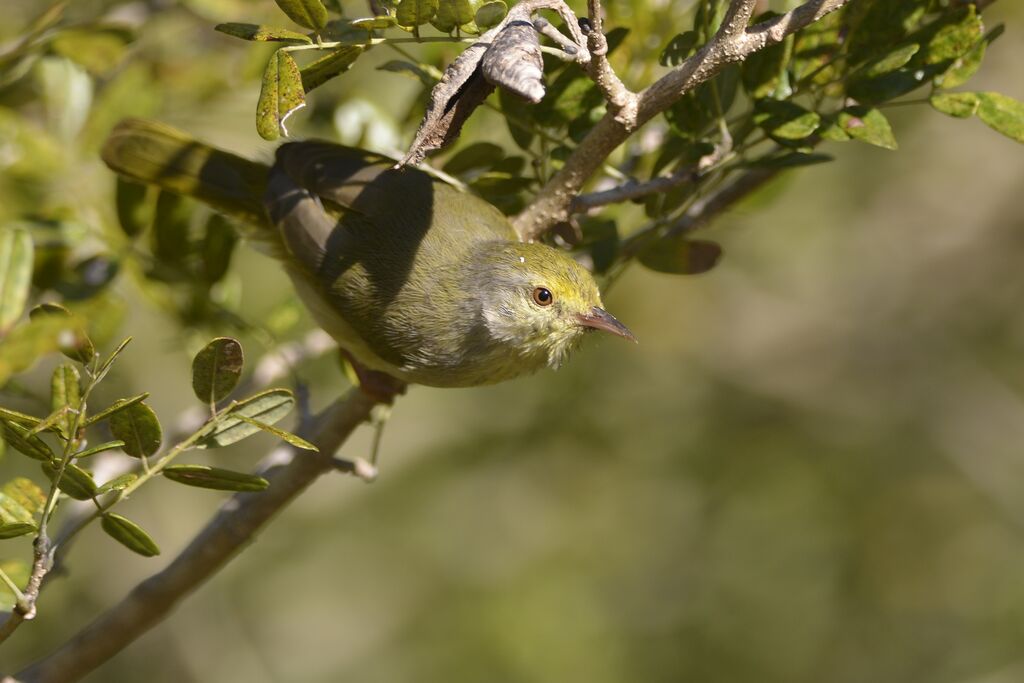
756,540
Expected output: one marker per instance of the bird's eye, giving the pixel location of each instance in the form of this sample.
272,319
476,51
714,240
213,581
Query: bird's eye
542,297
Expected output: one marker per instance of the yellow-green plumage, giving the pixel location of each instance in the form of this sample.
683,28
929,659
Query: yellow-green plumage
412,277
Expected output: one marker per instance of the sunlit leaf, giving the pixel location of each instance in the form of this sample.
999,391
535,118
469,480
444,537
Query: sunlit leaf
414,13
262,33
895,59
206,477
288,437
129,534
281,95
376,23
15,275
324,69
139,428
20,439
74,481
867,125
15,529
309,13
216,369
785,120
490,14
93,450
267,407
961,105
25,492
1002,114
118,483
452,13
65,393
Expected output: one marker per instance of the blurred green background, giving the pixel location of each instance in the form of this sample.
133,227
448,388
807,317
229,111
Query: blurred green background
810,469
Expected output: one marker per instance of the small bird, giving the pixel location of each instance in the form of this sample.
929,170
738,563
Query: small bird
413,278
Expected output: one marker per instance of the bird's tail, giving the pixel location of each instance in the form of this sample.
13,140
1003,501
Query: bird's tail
157,154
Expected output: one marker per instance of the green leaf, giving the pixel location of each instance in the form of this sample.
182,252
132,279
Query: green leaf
785,120
218,245
118,405
15,275
20,418
765,70
963,68
216,369
107,446
309,13
206,477
25,493
288,437
98,49
129,534
452,13
75,344
956,35
887,63
490,14
267,407
518,115
680,256
74,481
961,105
475,156
262,33
139,428
412,13
65,392
324,69
134,211
26,343
282,95
1002,114
19,438
113,356
11,514
118,483
15,529
867,125
377,23
171,220
18,571
679,48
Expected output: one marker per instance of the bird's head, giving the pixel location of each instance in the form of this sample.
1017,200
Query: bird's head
539,301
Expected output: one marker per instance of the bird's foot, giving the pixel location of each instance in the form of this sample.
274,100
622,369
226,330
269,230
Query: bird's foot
380,386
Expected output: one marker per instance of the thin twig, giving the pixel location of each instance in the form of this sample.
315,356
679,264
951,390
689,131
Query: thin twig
289,472
731,44
621,100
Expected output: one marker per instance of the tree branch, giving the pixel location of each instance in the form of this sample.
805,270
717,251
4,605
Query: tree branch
238,520
732,43
621,100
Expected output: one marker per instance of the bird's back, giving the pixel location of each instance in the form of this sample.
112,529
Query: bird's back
378,254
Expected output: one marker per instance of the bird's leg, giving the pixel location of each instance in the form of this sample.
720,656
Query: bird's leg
380,386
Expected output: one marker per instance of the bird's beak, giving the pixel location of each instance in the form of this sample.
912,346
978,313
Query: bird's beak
600,319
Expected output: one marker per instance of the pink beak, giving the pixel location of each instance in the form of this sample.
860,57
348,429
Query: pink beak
600,319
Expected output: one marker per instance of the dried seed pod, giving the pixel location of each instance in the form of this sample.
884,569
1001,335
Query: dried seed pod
513,61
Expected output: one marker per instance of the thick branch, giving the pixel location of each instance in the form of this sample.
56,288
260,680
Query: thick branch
553,202
237,522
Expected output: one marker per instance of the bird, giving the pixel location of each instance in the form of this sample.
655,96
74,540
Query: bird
417,281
